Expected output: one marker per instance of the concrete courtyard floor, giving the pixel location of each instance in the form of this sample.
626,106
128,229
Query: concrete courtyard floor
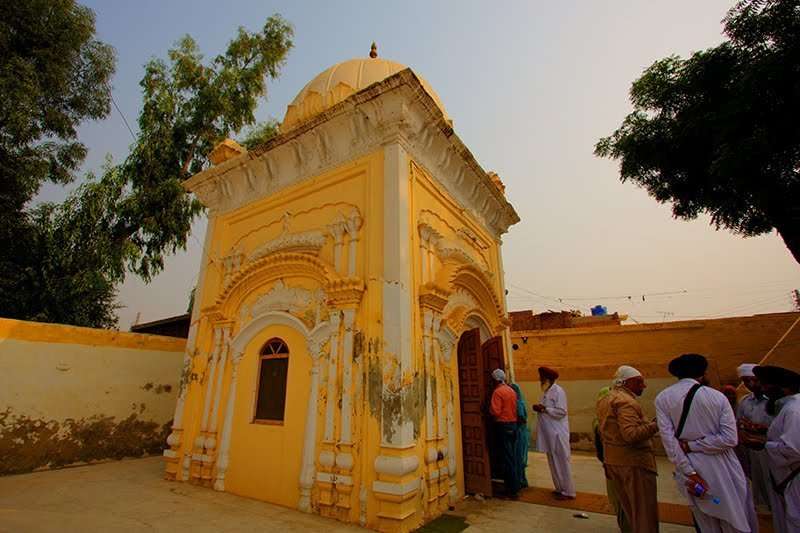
131,495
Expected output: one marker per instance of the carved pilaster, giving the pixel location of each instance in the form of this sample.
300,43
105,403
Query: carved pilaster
353,225
211,435
227,427
198,455
337,231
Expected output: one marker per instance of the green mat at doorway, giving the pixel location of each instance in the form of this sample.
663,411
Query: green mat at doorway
446,523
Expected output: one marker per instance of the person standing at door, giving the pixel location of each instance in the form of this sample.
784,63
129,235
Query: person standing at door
782,387
698,430
503,408
628,449
523,436
552,433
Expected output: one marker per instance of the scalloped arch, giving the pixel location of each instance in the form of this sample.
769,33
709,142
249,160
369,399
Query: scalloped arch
472,294
272,268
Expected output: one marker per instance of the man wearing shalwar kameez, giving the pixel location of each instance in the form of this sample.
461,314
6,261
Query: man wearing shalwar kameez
627,442
783,445
552,433
503,407
753,421
698,430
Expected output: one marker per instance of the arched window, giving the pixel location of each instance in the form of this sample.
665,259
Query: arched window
272,373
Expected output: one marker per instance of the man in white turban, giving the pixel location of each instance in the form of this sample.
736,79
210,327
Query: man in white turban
628,449
753,421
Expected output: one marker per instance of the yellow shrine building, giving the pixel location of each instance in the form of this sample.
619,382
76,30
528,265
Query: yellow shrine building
349,308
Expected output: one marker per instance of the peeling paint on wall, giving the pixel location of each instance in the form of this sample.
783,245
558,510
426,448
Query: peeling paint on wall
399,407
28,444
158,389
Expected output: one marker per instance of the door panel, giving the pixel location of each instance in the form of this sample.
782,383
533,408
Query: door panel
492,353
472,385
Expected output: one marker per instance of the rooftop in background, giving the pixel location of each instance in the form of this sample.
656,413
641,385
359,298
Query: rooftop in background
526,320
176,326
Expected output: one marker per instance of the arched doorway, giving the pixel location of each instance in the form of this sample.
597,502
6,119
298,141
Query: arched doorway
476,360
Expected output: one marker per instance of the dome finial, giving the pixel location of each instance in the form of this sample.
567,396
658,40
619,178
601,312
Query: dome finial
373,50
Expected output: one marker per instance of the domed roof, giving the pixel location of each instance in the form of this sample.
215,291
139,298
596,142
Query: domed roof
340,81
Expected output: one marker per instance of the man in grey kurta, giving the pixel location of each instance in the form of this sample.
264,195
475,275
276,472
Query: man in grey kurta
703,450
753,421
782,386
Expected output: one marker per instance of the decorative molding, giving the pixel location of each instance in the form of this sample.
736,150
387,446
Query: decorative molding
308,242
396,108
459,299
447,340
345,292
392,465
293,300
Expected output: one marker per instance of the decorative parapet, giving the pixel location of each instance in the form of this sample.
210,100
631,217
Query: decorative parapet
398,109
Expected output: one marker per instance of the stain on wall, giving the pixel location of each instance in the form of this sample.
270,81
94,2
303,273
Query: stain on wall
75,395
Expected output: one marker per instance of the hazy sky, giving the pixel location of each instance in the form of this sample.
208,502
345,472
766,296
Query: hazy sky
531,86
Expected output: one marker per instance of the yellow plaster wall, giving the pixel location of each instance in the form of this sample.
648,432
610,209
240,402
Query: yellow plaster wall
265,459
588,357
60,381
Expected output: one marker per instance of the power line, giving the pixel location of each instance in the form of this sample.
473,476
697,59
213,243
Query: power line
122,115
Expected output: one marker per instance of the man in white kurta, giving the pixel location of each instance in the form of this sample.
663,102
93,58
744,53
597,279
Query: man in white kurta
753,421
704,451
783,446
552,433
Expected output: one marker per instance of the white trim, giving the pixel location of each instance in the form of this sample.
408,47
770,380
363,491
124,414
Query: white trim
345,430
396,489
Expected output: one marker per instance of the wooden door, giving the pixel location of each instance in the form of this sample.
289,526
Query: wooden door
472,386
492,354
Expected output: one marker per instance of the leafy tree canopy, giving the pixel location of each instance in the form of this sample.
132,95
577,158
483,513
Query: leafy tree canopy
53,76
719,132
188,108
62,263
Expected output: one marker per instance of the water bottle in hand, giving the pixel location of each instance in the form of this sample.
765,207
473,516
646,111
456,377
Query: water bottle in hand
697,489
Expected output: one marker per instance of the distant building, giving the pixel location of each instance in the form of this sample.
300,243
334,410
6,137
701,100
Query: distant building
176,326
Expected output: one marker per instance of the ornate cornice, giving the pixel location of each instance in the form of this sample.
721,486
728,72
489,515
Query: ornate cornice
433,297
345,292
398,109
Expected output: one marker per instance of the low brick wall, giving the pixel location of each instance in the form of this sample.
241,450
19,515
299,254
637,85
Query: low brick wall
73,395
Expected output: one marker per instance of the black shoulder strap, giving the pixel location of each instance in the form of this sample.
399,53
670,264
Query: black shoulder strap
780,488
687,404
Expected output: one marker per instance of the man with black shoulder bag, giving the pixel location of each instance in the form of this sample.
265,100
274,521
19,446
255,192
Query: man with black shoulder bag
698,429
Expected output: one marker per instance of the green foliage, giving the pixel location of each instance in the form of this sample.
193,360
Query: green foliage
62,263
189,107
718,132
67,267
260,133
53,76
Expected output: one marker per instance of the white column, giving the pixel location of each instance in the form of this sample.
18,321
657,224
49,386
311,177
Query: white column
309,442
440,380
345,436
353,225
200,440
427,324
211,440
397,295
332,378
337,230
424,241
227,427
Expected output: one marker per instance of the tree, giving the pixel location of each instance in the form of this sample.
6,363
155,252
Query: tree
68,259
718,133
53,75
188,108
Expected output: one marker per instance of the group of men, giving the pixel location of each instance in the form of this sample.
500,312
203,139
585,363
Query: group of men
509,411
724,461
707,443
